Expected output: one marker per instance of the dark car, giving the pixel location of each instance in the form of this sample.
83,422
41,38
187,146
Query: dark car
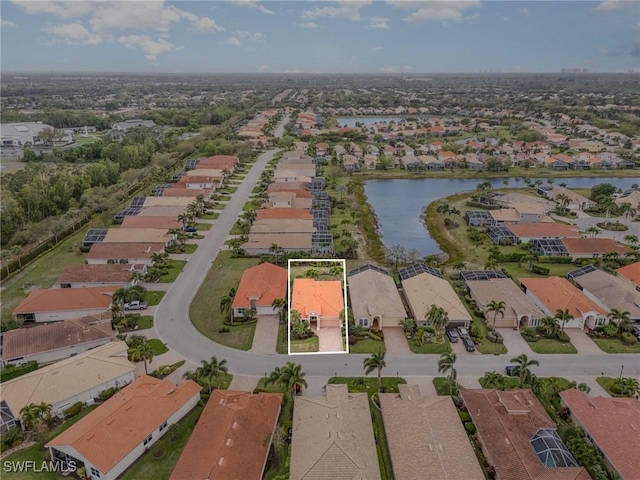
453,336
635,331
190,229
509,369
468,344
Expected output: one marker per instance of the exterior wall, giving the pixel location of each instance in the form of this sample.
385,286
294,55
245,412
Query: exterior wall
387,321
199,186
56,316
118,382
91,284
328,322
103,261
259,310
52,356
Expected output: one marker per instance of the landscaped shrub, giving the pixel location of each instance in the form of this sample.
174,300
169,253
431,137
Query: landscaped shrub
529,334
9,373
477,331
470,428
73,410
106,394
223,330
494,337
357,330
628,338
514,257
374,336
352,340
464,416
540,270
563,260
378,332
563,337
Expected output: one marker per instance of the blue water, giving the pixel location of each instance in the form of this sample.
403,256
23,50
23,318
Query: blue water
351,121
398,204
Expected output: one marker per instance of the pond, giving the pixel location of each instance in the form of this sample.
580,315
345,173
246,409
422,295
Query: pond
351,121
398,204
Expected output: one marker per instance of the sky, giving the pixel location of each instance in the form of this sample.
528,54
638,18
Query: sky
247,36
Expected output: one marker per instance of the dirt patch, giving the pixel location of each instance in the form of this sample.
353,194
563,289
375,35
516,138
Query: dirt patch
158,453
173,438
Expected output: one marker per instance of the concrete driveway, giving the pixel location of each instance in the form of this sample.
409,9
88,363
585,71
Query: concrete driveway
266,335
582,342
516,345
634,227
330,339
395,342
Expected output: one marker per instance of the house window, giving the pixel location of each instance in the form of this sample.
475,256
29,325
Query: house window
163,426
65,285
147,440
240,310
95,473
363,322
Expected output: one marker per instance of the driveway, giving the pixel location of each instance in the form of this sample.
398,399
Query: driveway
395,342
330,340
584,223
266,335
516,345
582,342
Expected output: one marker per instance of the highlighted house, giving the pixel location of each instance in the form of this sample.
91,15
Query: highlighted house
319,302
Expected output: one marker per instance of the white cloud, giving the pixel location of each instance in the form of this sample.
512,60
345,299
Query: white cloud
263,68
376,49
396,69
524,12
7,24
72,34
206,24
444,11
349,9
252,4
242,33
610,5
137,15
58,9
234,41
379,22
152,48
257,37
308,25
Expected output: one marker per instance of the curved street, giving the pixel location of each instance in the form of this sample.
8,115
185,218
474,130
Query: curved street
176,330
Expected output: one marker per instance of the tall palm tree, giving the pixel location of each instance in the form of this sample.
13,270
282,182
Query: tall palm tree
563,317
446,364
592,231
550,324
438,317
29,415
279,304
116,311
226,302
293,378
120,297
212,370
522,368
375,362
626,209
44,411
620,318
607,204
274,249
493,380
274,377
497,308
631,240
142,352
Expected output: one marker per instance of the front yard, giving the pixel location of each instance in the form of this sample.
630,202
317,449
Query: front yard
438,345
204,227
367,345
305,346
157,346
174,270
152,297
551,345
614,345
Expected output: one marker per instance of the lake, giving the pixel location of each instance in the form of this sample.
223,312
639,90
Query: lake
398,204
351,121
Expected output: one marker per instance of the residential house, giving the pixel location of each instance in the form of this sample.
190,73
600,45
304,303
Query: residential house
351,163
98,275
424,286
260,244
232,438
518,438
293,199
339,150
198,182
166,211
168,201
375,300
258,288
278,225
631,196
631,273
431,162
593,247
291,176
53,342
576,201
130,253
80,378
151,222
179,190
388,151
370,161
221,162
551,294
283,214
55,304
611,425
607,291
426,438
112,437
322,149
501,235
333,438
319,302
525,232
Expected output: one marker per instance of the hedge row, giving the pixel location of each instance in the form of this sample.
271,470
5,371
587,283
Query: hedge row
10,373
565,260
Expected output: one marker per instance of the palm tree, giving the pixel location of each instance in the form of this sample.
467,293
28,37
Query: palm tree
279,304
563,317
142,352
274,249
44,411
116,311
631,240
29,415
550,324
491,265
408,325
226,302
16,251
527,261
446,364
583,387
438,317
497,308
621,318
493,380
375,362
592,231
627,387
607,204
459,266
521,369
293,378
120,297
626,209
212,370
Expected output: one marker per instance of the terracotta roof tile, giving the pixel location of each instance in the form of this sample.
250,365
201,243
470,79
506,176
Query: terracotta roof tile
124,250
283,214
137,221
326,298
558,293
119,273
632,272
67,299
593,245
536,230
265,281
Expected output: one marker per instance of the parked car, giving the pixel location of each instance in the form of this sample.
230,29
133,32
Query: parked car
509,370
463,332
635,331
453,336
135,305
468,344
190,229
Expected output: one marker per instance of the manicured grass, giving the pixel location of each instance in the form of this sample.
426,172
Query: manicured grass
508,382
174,270
236,230
189,248
257,189
204,227
211,216
144,321
485,346
307,345
224,274
160,468
157,346
283,340
224,198
614,345
430,348
196,236
368,345
441,385
249,206
607,384
271,387
152,297
551,345
82,140
555,269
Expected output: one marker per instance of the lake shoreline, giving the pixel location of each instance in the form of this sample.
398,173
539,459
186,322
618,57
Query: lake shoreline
366,175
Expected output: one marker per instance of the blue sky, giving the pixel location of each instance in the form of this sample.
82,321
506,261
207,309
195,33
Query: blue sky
319,36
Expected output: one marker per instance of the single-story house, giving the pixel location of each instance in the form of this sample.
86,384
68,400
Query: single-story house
203,171
154,222
167,201
519,311
607,291
551,294
351,162
138,235
80,378
232,437
55,341
260,244
109,439
289,200
611,425
576,201
136,253
170,211
292,176
287,187
426,437
631,272
375,300
97,275
333,437
198,181
221,162
478,218
525,232
593,247
259,287
518,438
267,226
283,214
319,302
424,286
501,235
513,215
55,304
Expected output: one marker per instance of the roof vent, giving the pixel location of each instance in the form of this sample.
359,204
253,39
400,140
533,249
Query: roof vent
507,441
221,461
235,426
229,442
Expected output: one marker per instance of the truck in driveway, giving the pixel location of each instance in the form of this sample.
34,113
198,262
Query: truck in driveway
135,305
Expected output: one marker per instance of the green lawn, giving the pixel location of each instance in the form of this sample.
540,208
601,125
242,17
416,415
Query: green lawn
153,297
307,345
236,229
204,227
368,345
34,453
271,387
82,140
171,444
249,206
614,345
256,189
174,270
157,346
607,384
224,274
189,248
143,321
283,339
485,346
509,382
211,216
441,385
550,345
555,269
430,348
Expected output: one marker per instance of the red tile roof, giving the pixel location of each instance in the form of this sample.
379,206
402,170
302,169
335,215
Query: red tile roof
632,272
558,293
614,425
265,281
109,433
326,298
101,273
593,245
123,250
283,213
231,439
544,230
137,221
67,299
176,191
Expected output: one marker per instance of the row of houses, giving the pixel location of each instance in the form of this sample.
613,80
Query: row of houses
255,129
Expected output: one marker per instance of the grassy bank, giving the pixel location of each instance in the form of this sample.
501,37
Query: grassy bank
368,224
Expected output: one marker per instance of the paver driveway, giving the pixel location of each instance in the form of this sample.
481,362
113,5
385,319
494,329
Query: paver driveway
330,339
266,335
395,341
582,342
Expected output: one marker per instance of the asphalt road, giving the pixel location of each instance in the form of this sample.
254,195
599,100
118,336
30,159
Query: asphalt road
175,329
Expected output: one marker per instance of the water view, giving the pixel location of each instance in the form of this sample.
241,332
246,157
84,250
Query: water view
398,204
